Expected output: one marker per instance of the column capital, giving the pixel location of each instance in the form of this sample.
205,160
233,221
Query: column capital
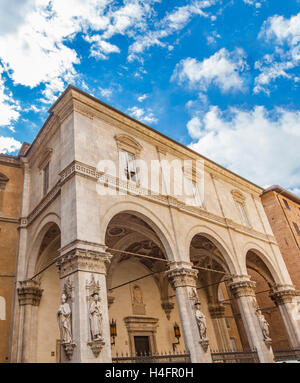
241,286
181,274
83,256
29,293
282,294
217,310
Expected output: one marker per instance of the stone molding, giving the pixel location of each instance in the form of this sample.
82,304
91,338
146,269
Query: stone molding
282,294
242,288
82,259
217,311
138,323
128,144
182,277
238,196
29,293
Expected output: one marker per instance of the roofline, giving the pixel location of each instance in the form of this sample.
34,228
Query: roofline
72,87
278,189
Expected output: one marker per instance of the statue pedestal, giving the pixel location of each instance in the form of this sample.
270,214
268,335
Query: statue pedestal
96,346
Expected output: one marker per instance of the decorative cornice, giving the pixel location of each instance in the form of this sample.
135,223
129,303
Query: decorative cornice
29,293
282,294
10,161
182,277
83,259
242,288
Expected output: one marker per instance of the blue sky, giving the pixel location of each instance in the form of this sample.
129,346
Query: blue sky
220,76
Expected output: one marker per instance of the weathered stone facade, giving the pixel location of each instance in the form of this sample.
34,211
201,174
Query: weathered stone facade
146,261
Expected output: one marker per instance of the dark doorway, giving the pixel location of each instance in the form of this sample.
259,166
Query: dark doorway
141,344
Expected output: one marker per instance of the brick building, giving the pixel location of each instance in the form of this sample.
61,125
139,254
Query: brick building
283,211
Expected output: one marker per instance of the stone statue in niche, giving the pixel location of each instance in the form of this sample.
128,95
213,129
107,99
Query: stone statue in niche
202,327
137,295
201,321
64,320
138,306
264,325
95,316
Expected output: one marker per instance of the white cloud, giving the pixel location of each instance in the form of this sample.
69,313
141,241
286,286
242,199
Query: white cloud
9,109
36,49
194,127
142,97
221,69
282,29
141,114
101,48
170,24
270,71
284,35
106,92
9,145
257,4
258,144
12,14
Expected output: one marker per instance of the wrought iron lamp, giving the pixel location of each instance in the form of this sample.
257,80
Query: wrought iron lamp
177,335
113,330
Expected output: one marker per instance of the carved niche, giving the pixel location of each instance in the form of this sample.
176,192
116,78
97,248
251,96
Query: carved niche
138,306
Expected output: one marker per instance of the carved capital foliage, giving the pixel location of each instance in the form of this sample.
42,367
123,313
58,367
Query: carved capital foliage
83,260
281,294
182,277
242,288
29,293
217,311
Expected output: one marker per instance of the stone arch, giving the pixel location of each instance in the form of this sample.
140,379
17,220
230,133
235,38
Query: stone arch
146,215
33,252
217,241
261,263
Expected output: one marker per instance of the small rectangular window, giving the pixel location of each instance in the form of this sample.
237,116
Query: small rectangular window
296,228
286,204
128,161
46,179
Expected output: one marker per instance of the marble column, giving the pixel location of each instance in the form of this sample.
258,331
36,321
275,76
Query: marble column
82,270
29,294
285,298
183,280
217,314
243,290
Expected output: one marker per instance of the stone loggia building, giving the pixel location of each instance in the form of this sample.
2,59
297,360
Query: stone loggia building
103,267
